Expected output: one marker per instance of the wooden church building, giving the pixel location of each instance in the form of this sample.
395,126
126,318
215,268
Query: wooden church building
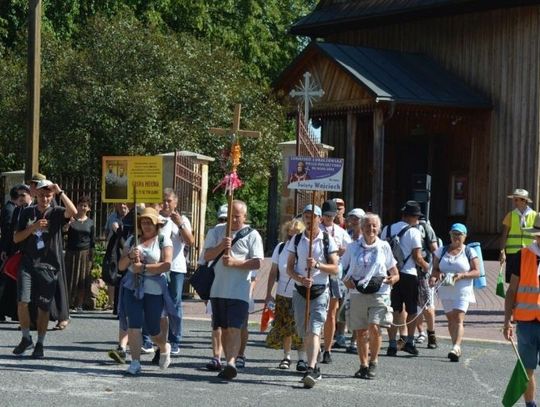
436,100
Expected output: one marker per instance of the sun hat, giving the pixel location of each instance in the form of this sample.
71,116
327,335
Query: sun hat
358,212
520,193
459,227
151,214
44,183
329,208
37,177
309,208
411,208
535,230
222,212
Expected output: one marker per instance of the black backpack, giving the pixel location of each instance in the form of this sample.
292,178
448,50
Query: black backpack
326,243
393,241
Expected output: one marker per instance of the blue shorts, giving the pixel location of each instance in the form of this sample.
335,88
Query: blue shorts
528,335
146,311
229,313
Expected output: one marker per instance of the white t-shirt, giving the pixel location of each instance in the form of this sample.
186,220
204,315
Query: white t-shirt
171,230
340,235
362,258
285,283
230,282
151,255
462,289
411,239
319,277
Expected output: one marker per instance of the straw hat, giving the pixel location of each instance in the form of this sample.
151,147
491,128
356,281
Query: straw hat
151,214
520,193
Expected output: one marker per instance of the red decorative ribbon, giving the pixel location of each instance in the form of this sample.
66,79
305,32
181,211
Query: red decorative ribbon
230,182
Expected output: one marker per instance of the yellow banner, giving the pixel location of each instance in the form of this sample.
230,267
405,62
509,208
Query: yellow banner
123,174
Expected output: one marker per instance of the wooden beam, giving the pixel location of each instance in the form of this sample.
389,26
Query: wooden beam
378,162
34,89
350,160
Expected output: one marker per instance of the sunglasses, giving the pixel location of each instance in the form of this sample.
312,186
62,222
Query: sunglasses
456,234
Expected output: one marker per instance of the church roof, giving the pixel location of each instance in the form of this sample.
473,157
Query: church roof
339,15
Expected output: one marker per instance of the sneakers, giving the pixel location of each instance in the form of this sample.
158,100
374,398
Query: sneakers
432,341
312,378
24,344
165,358
175,349
118,355
38,351
421,338
391,351
301,366
214,365
341,342
362,373
240,362
352,349
454,354
372,370
155,359
147,348
228,373
134,368
410,348
327,357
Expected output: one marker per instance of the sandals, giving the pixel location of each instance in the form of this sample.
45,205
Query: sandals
301,366
214,365
285,364
60,326
240,362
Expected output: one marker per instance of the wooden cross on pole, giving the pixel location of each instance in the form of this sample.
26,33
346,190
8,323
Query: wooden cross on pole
235,155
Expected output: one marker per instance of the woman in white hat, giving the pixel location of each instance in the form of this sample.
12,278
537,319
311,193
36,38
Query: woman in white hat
513,237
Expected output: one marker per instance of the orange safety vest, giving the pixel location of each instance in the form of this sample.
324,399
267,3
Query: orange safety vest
527,306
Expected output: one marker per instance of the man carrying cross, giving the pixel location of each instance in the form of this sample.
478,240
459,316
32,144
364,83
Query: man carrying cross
230,291
311,272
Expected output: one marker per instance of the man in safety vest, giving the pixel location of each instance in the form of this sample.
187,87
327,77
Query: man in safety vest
514,237
522,304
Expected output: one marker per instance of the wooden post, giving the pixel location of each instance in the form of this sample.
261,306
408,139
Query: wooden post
378,162
350,160
310,253
34,88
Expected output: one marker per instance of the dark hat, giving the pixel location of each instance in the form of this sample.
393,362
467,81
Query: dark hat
329,208
412,208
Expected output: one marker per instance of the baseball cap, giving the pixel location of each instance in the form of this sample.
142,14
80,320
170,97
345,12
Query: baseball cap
222,212
459,227
44,183
309,208
329,208
357,212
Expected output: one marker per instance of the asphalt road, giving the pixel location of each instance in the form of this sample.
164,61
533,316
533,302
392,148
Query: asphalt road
77,372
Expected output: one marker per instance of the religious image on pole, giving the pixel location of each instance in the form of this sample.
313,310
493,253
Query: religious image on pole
315,173
116,180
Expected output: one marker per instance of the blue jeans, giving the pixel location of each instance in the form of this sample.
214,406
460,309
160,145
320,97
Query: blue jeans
176,285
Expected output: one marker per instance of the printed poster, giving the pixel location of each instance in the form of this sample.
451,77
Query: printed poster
315,174
123,174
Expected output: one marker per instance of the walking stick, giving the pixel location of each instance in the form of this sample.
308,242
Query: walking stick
229,213
135,230
310,253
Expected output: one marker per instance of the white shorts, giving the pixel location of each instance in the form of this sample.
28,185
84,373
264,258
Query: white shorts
450,305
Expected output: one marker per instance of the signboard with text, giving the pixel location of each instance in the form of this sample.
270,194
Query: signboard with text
122,174
315,174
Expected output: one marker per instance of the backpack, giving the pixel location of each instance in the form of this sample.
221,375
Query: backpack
397,251
109,265
326,243
480,281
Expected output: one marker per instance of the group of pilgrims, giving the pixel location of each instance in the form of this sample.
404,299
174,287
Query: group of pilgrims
351,279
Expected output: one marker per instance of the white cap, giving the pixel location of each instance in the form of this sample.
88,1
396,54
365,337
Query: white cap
358,212
222,211
44,183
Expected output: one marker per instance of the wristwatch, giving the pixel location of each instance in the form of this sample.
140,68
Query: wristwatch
317,265
181,226
60,193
